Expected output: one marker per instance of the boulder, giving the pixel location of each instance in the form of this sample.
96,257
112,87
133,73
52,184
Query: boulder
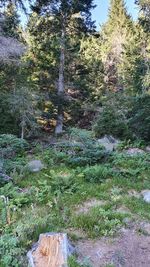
147,149
145,228
134,151
146,195
109,143
52,250
35,166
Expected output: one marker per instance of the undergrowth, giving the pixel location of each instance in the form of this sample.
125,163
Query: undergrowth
34,203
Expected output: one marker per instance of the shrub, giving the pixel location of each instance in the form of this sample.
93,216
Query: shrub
98,173
10,145
63,182
110,122
140,117
82,148
113,117
11,253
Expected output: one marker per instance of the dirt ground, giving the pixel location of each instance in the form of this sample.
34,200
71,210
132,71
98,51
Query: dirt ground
129,249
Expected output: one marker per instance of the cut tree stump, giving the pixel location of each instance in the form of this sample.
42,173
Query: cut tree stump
52,250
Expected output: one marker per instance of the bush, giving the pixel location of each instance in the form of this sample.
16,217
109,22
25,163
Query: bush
113,117
11,253
82,148
98,173
63,182
10,145
111,122
140,117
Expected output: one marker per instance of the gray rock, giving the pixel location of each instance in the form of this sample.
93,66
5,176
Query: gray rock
146,195
109,143
145,228
35,166
147,149
134,151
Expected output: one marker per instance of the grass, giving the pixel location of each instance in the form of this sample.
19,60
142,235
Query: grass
51,197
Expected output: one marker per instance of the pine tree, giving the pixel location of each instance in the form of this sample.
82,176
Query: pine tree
114,35
144,22
144,18
93,72
10,26
132,68
61,13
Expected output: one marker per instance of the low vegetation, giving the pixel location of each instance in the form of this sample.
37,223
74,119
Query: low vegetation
34,203
74,124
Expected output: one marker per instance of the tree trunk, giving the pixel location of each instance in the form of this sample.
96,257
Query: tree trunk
61,85
22,127
52,250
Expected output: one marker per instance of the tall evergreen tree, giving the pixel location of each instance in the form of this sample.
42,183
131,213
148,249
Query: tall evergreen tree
114,35
144,6
93,71
61,13
11,22
133,68
144,21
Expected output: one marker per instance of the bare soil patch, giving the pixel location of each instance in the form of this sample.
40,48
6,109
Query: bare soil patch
129,249
87,205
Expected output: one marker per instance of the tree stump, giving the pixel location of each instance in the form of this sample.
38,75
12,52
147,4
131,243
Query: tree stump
50,251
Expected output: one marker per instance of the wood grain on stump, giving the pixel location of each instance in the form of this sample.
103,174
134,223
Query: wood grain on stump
51,251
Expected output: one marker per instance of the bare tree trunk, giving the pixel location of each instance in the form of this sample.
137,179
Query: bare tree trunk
22,126
22,132
61,85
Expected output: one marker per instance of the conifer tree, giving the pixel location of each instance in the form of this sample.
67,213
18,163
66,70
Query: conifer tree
10,26
144,22
114,36
61,13
93,71
133,68
144,18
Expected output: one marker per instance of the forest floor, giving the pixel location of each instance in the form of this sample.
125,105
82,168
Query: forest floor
100,207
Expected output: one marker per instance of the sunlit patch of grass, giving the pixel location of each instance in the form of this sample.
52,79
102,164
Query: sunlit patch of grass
138,206
99,221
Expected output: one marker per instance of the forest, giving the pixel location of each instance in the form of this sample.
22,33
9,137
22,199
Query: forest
75,132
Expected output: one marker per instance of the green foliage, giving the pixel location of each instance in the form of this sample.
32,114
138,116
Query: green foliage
23,104
10,145
11,254
112,118
114,35
140,118
48,199
63,182
98,173
134,65
16,200
8,123
144,18
74,263
92,77
128,143
10,26
99,221
82,148
110,122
